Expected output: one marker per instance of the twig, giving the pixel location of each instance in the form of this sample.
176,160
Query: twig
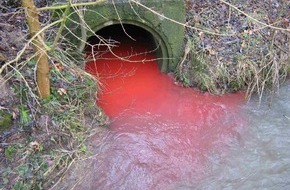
32,94
252,18
186,52
119,18
180,23
19,55
65,14
73,5
83,31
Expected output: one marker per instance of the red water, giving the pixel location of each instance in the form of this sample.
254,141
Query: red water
162,135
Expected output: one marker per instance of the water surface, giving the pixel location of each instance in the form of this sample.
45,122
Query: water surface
164,136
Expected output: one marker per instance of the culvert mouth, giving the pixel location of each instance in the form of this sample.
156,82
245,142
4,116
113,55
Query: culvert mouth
129,33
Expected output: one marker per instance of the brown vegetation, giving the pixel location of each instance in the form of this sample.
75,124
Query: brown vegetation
248,47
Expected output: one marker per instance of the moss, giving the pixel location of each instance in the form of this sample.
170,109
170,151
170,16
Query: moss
5,120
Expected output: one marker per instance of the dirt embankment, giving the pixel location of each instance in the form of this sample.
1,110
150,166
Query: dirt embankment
242,45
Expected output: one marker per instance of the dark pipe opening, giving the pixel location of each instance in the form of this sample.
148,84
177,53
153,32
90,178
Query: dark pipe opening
128,33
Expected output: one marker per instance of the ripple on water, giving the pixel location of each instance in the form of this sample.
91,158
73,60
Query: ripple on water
264,161
164,136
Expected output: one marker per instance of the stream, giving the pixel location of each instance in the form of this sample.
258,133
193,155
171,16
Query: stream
164,136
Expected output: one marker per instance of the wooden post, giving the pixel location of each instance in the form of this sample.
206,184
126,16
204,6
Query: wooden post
43,76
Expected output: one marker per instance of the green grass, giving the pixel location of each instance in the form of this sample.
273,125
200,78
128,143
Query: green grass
50,133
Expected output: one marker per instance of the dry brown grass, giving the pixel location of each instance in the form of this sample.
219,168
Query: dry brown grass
255,59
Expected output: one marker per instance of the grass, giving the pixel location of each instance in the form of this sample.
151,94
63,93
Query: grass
254,60
49,134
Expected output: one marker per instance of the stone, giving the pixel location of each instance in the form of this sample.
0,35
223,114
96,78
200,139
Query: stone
149,15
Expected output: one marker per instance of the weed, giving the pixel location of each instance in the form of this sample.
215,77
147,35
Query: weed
57,127
255,59
24,116
10,151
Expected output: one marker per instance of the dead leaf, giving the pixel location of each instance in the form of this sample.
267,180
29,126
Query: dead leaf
61,91
243,44
2,57
14,116
59,67
216,29
65,107
212,52
34,146
201,36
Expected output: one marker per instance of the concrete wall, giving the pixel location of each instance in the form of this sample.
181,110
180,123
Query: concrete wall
170,35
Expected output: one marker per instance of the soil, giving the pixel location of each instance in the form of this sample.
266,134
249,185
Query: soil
13,27
13,36
13,33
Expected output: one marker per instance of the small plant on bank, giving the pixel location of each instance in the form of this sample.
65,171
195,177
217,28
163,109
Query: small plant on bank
50,132
48,135
236,50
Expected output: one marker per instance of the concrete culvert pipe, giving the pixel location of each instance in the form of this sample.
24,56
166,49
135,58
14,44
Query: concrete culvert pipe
147,21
